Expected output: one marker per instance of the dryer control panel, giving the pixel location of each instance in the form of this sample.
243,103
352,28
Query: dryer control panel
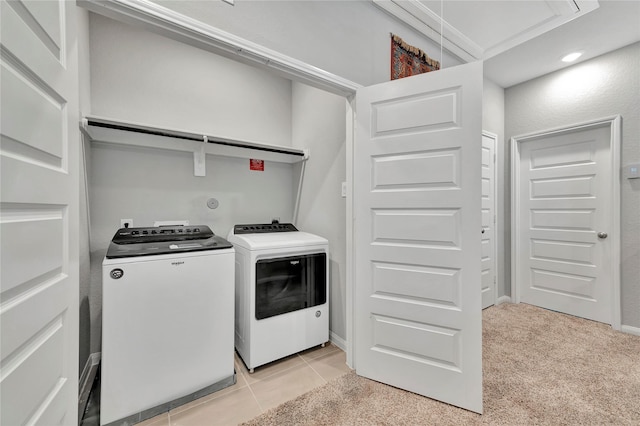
263,228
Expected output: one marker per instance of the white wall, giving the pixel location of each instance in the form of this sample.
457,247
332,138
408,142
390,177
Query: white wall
493,121
319,124
598,88
149,185
346,38
142,77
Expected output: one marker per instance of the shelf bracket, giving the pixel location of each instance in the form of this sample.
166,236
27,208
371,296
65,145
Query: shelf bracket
199,159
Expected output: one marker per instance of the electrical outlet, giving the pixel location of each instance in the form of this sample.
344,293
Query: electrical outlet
126,223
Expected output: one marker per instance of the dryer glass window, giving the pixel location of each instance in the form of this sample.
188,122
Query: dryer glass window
288,284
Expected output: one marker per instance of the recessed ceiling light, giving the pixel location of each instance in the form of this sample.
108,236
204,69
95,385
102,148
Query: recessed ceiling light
571,57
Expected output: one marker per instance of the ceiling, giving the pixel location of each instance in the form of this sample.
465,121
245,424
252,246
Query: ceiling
522,39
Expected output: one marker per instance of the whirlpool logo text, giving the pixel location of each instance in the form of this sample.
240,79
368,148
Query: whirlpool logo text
177,263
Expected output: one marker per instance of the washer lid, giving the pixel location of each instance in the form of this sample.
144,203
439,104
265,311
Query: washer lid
275,240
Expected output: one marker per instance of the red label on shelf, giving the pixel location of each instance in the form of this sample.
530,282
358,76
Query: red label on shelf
256,165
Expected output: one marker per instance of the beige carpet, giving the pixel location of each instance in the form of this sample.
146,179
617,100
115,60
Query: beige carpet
540,368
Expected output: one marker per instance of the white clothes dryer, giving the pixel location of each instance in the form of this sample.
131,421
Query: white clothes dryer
282,291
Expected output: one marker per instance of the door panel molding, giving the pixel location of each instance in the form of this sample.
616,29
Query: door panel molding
614,123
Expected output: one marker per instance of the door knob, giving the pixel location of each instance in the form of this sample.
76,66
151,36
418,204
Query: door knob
602,235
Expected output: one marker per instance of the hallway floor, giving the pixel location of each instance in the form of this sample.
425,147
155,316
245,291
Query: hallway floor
253,394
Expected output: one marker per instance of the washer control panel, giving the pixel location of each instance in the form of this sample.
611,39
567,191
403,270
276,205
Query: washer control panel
161,234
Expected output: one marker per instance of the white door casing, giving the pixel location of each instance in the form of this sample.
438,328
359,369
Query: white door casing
566,215
417,229
488,282
39,214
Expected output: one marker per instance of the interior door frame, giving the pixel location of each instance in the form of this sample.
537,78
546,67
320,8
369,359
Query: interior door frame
497,263
614,123
350,273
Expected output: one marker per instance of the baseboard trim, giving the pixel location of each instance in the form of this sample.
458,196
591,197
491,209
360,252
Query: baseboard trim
338,341
631,330
503,299
86,381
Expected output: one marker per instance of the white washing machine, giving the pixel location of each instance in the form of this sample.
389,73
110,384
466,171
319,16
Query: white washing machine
167,320
282,291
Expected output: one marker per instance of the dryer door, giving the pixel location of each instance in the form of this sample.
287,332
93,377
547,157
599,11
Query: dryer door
288,284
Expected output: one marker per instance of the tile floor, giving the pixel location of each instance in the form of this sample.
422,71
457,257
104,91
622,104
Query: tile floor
253,394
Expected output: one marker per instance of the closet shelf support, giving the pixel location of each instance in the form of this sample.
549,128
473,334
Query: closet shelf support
199,159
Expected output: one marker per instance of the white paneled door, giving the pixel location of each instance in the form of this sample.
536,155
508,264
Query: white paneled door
564,221
417,233
488,220
39,214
